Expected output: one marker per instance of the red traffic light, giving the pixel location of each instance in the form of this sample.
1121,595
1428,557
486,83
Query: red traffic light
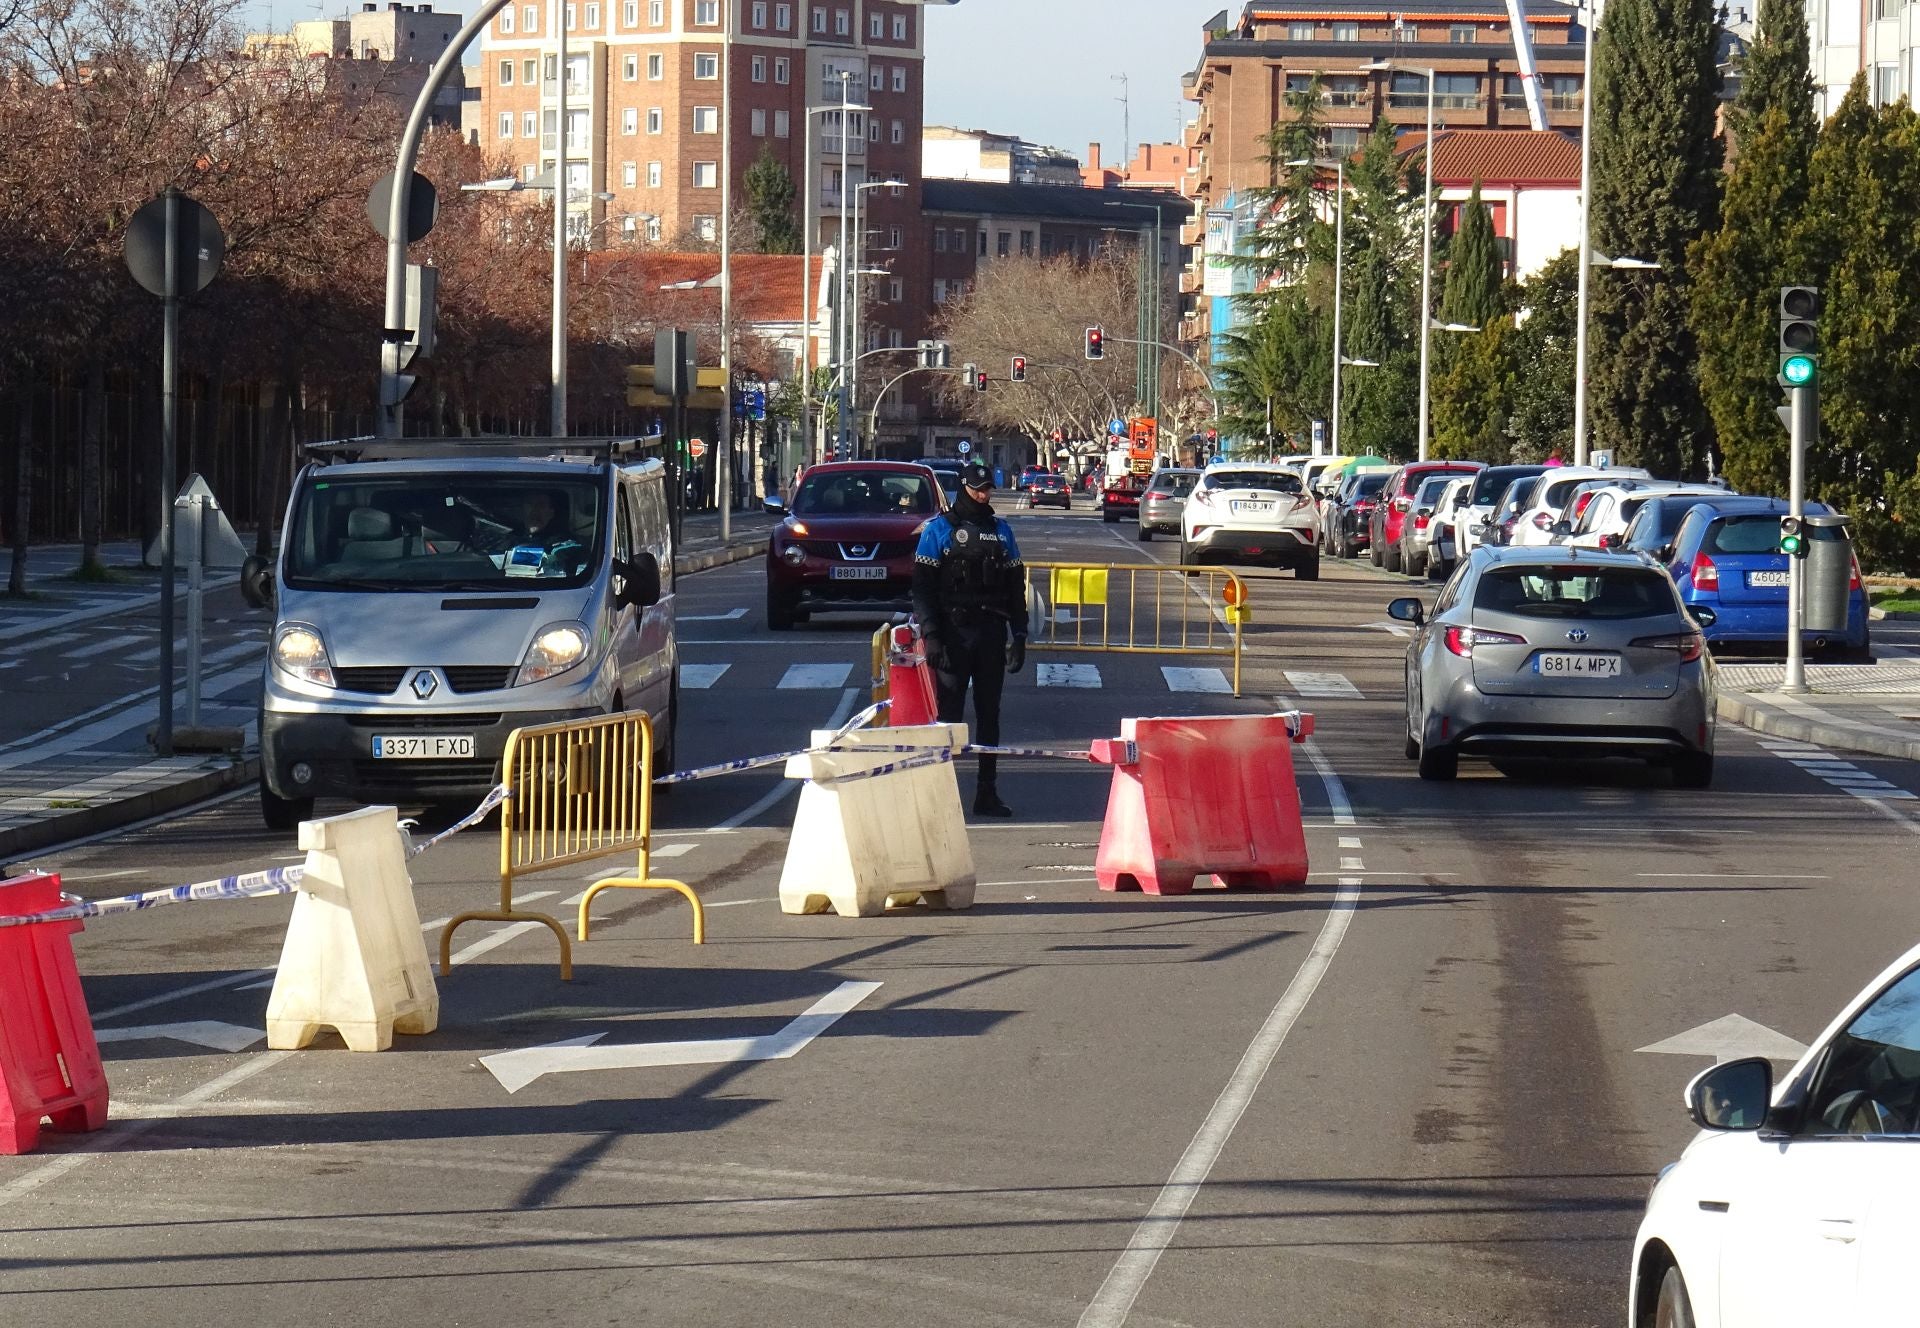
1096,344
1019,368
980,382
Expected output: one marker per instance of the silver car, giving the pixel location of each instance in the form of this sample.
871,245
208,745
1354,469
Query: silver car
1164,501
1559,652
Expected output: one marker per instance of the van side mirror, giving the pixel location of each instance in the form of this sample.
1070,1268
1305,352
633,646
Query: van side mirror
640,581
1731,1096
1560,528
1407,610
256,582
773,506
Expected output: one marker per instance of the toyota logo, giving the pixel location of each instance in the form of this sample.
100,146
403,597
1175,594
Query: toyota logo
424,684
1577,635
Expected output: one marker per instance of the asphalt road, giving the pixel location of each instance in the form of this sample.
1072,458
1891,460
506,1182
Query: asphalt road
1416,1097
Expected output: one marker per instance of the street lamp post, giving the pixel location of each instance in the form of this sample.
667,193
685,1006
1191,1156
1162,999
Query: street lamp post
558,423
809,294
1426,246
1591,25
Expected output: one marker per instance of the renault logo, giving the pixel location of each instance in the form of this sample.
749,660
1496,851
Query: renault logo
1577,635
424,684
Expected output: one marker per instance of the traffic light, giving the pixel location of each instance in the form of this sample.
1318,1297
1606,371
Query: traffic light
416,341
1096,344
1799,335
980,381
1793,538
1019,369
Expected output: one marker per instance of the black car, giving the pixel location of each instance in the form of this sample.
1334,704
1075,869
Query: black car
1347,524
1051,491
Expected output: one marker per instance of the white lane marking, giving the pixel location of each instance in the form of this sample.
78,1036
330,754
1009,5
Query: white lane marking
736,903
699,677
1083,676
1113,1302
731,615
786,788
1727,876
674,850
168,997
1324,685
1348,841
1211,681
814,677
1727,1038
129,711
1352,865
213,1034
1397,628
1898,795
107,646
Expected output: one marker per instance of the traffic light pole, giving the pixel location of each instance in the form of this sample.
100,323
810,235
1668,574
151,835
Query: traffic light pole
1804,423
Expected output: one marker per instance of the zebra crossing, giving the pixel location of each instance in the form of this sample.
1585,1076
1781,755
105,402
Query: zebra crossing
1836,771
751,673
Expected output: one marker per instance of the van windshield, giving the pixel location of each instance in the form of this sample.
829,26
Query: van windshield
433,532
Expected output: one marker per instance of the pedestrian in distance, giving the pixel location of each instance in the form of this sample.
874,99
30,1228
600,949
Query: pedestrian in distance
970,597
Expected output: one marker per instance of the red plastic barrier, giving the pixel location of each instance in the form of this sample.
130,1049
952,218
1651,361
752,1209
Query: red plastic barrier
49,1062
1210,795
909,681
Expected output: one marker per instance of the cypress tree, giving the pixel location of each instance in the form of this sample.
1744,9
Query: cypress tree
770,195
1654,191
1777,71
1473,291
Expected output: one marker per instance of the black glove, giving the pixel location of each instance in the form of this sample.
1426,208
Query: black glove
930,647
1017,654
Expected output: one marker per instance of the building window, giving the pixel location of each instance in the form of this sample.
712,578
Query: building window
842,26
1461,34
506,73
939,290
630,13
548,122
506,19
706,228
529,124
819,20
1046,245
1299,32
629,173
760,13
895,239
758,123
656,65
630,67
895,291
655,121
899,131
876,27
1026,244
782,17
876,78
706,119
1004,245
899,27
1886,84
706,65
899,78
706,13
572,14
653,175
593,17
656,13
759,69
706,175
873,131
506,124
1346,32
960,241
939,239
781,66
653,229
551,70
629,224
781,124
629,121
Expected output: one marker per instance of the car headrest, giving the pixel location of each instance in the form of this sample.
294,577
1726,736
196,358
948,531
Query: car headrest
369,523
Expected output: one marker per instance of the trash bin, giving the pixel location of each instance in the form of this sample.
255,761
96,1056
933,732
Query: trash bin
1829,573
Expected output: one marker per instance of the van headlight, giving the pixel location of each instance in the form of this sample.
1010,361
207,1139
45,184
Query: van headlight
556,648
300,653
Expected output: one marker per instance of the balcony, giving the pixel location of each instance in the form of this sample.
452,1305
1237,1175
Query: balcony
1445,101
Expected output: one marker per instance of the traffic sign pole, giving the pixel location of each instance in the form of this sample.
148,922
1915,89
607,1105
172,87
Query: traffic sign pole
169,409
1803,424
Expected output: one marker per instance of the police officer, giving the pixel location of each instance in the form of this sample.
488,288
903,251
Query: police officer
970,594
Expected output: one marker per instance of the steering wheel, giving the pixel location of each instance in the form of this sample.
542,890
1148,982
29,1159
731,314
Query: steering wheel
1858,1112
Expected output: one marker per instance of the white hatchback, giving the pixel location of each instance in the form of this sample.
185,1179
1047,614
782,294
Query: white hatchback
1800,1203
1251,513
1606,511
1557,488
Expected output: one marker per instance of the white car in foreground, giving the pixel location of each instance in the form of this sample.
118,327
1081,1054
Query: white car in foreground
1800,1203
1251,513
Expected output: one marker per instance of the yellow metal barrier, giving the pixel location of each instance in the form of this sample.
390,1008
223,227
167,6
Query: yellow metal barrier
880,676
578,790
1139,609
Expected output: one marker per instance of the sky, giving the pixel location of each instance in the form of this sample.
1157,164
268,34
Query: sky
1042,69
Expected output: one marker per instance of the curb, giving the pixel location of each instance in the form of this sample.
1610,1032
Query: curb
113,815
1881,615
737,552
1741,708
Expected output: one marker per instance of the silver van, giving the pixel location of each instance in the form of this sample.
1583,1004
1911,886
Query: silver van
433,596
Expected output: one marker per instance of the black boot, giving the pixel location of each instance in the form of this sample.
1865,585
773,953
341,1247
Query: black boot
986,802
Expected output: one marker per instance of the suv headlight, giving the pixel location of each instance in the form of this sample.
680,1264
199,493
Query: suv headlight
299,652
556,648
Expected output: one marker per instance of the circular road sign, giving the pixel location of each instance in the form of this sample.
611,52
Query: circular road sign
964,446
198,241
423,206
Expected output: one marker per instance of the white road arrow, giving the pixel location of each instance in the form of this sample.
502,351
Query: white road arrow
1730,1038
209,1033
1398,629
516,1069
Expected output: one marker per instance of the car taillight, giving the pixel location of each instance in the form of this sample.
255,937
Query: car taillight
1462,640
1689,645
1543,520
1364,505
1202,497
1705,575
1420,522
1853,581
1580,505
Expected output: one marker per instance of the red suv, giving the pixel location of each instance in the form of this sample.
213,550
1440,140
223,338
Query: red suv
848,540
1121,497
1391,511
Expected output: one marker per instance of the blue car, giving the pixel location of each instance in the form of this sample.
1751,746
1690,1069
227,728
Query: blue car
1726,556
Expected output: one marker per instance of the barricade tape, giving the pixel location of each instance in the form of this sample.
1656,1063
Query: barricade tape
499,794
928,756
756,762
1041,752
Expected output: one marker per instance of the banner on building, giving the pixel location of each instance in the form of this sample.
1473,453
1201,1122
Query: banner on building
1218,255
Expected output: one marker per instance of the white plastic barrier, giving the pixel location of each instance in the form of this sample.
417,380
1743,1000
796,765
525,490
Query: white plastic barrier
861,844
354,958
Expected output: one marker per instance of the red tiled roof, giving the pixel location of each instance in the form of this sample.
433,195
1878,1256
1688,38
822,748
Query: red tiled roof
1497,156
766,287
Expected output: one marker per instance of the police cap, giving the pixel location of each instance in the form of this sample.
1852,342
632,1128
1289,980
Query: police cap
976,475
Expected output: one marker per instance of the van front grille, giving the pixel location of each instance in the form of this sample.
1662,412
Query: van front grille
380,681
478,677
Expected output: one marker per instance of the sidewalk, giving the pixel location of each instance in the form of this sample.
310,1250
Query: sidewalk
1873,708
73,665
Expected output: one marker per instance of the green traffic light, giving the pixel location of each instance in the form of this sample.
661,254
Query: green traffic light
1797,370
1790,545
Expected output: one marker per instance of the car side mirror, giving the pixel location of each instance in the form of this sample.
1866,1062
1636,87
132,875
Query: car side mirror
1560,528
1407,610
256,582
1423,511
1731,1096
1703,614
772,506
640,578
